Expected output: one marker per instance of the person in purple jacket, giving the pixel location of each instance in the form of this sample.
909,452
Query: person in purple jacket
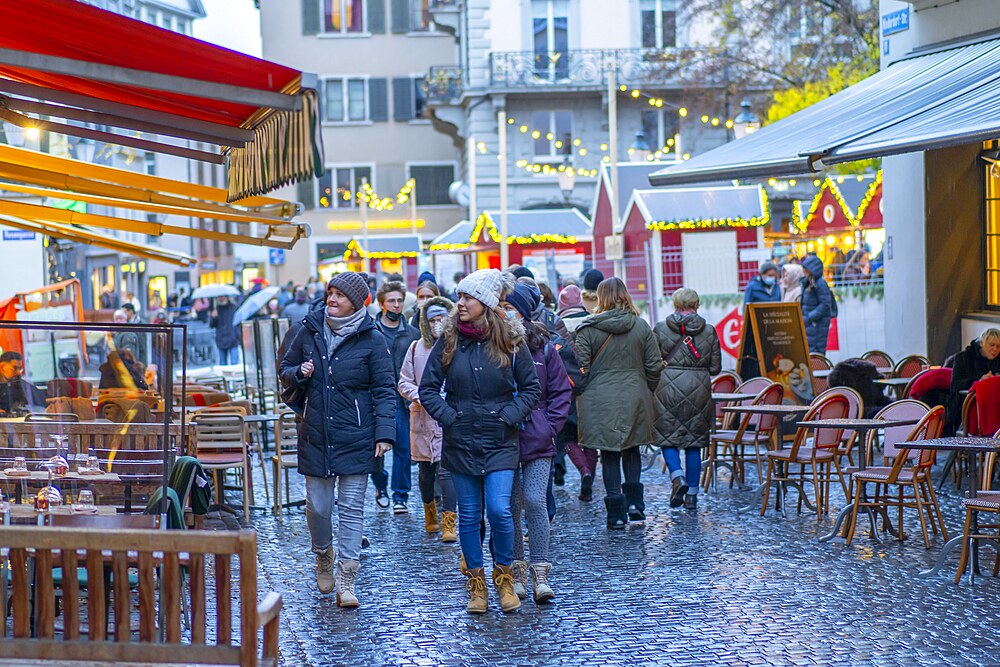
538,447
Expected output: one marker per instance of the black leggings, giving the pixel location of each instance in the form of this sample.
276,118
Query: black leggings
612,465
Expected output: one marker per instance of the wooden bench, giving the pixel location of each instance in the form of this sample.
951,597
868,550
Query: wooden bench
169,553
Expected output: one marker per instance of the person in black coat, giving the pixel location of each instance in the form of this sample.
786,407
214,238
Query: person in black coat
980,360
226,337
480,385
817,304
340,362
398,336
860,375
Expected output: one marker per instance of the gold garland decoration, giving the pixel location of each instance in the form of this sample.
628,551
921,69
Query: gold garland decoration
717,223
485,221
354,247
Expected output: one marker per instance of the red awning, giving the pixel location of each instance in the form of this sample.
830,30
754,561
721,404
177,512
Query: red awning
102,64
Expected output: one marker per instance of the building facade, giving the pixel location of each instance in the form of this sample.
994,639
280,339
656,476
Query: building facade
372,57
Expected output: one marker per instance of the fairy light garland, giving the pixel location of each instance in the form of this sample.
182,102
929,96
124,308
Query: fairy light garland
370,198
717,223
867,199
435,247
828,184
484,221
354,247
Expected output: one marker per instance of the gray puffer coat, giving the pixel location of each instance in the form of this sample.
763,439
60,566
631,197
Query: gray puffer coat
684,410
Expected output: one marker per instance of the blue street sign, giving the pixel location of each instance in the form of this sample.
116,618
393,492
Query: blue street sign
18,235
894,22
276,257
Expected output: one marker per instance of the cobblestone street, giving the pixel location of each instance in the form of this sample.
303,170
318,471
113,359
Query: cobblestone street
722,586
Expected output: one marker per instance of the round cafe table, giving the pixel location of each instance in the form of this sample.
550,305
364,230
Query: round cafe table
862,427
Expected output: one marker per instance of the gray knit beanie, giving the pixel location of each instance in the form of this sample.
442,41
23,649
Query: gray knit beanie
486,286
353,285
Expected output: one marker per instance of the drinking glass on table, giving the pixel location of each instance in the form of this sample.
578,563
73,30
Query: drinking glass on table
20,464
92,463
85,500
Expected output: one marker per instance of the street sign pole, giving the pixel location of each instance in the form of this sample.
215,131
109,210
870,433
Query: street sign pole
613,151
504,248
364,227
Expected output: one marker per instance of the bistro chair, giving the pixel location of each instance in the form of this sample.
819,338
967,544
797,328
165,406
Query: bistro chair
909,469
882,360
70,388
815,456
286,457
219,441
855,410
725,382
819,362
910,366
985,501
956,461
753,431
751,386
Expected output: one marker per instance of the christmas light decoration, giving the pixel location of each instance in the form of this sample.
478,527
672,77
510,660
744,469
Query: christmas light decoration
717,223
486,222
354,247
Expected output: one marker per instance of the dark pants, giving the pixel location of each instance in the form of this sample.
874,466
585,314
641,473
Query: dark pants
427,474
585,460
612,465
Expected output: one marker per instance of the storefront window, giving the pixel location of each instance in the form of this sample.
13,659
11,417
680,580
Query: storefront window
992,235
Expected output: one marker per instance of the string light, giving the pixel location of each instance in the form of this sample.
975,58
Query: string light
715,223
828,184
354,247
369,197
486,222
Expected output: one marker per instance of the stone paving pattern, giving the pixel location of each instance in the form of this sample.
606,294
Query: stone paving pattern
720,586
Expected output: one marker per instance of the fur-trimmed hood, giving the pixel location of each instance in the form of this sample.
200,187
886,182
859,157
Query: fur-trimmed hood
425,326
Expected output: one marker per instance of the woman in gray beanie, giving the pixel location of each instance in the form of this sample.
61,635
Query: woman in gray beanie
347,402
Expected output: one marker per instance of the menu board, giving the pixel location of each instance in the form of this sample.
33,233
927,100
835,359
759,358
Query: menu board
774,346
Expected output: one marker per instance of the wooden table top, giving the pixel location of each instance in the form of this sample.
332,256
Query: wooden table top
43,475
18,426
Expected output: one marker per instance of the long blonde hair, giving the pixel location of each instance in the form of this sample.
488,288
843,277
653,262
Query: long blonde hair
501,340
612,293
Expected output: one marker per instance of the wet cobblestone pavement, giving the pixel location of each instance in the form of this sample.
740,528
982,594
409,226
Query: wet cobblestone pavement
720,586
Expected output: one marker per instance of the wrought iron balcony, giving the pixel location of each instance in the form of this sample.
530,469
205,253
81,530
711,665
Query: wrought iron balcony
443,85
590,67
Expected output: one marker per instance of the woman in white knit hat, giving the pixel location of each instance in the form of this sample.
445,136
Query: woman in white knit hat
480,384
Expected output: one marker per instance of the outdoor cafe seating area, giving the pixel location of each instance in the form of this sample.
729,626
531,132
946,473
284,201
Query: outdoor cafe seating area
877,465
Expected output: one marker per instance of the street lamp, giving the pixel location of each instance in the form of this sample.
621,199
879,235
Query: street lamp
567,179
746,122
640,150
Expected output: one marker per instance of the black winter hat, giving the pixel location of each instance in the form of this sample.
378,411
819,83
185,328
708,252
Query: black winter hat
591,279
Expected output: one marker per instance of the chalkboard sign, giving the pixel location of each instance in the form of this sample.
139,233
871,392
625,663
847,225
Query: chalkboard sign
774,346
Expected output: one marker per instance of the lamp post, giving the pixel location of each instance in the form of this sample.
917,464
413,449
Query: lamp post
746,122
640,149
504,249
567,179
615,237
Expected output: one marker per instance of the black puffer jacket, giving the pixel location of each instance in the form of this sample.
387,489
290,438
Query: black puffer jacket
350,399
817,305
970,366
684,412
483,405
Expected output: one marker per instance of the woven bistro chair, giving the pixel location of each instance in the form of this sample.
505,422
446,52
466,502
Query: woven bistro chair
220,443
814,456
285,457
883,362
725,382
730,446
819,362
910,469
910,366
986,500
856,410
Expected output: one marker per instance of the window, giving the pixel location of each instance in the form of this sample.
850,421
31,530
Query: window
550,28
343,16
659,128
419,98
992,236
555,133
338,186
346,100
804,23
659,23
432,183
420,15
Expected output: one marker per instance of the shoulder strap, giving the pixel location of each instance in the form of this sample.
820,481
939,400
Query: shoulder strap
598,353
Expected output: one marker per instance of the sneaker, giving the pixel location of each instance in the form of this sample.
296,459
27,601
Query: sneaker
399,508
587,488
381,499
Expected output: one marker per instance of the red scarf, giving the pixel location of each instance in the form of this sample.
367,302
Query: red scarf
471,330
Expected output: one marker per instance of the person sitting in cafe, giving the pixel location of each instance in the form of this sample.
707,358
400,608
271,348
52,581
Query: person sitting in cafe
978,361
122,370
860,375
16,395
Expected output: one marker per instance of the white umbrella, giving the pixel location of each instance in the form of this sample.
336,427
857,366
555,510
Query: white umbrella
254,302
213,291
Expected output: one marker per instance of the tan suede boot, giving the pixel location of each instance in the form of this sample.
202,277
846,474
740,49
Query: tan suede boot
448,533
476,585
504,581
431,517
519,570
324,570
347,572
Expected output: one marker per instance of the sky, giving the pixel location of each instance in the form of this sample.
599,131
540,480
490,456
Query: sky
234,24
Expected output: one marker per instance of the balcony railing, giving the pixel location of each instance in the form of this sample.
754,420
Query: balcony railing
444,4
590,67
443,84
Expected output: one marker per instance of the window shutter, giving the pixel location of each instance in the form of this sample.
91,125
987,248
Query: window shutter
310,17
376,16
400,16
306,193
378,102
402,99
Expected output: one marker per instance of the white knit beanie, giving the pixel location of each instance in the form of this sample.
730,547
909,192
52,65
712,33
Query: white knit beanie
485,286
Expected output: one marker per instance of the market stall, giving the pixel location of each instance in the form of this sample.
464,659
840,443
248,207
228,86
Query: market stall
385,254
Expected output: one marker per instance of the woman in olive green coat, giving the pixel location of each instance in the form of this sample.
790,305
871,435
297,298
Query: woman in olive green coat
619,354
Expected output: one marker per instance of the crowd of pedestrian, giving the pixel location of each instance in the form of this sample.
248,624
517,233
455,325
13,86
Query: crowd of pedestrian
487,389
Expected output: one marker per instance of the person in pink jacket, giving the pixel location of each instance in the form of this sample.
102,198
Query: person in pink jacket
425,433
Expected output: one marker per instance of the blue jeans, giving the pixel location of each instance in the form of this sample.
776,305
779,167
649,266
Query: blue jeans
401,457
470,491
692,466
230,355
